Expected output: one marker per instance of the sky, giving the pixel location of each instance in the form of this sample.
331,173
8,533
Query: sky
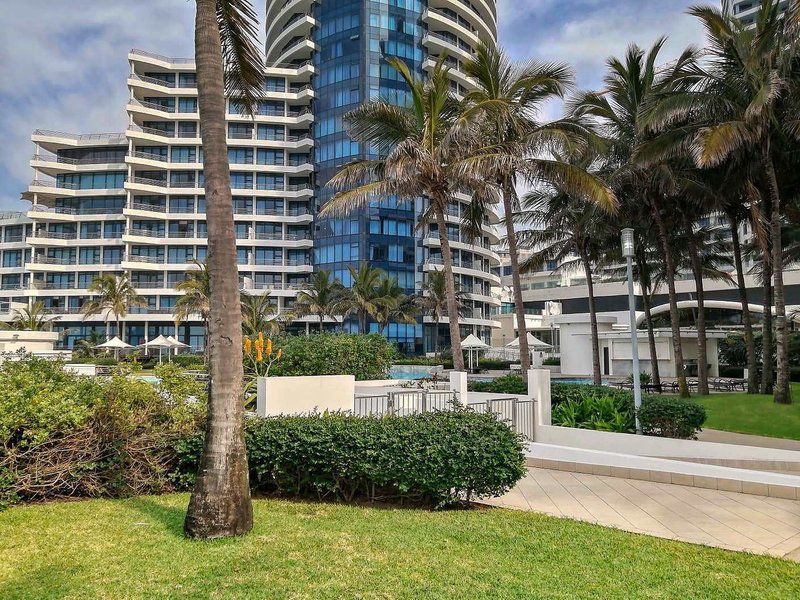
63,63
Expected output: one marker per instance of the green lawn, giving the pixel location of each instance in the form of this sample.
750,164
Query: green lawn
134,549
755,414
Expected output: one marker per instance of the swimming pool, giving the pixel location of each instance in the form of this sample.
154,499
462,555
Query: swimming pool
412,371
577,381
149,379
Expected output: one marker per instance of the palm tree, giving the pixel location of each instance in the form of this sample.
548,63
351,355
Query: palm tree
394,306
421,148
259,315
114,297
86,346
564,228
434,301
196,298
320,297
631,85
745,103
228,62
363,297
506,101
32,318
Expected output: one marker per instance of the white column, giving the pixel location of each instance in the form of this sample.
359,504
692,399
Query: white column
458,384
539,390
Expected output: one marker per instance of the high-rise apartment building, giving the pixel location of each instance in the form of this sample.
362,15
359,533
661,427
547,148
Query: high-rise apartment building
133,202
347,43
747,10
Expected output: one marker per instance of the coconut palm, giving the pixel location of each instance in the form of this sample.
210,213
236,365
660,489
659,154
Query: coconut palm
746,102
506,102
320,297
434,301
363,298
34,317
86,346
195,298
228,62
112,296
259,315
394,306
421,148
630,87
568,232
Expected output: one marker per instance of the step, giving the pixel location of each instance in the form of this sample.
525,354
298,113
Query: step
662,470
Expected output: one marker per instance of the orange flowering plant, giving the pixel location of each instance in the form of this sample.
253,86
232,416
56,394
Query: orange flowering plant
259,356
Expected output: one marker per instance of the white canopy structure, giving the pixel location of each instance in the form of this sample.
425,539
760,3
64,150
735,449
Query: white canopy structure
113,344
534,343
160,342
175,343
473,343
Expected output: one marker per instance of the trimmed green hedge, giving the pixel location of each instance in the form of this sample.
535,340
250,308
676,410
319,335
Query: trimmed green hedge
507,384
666,416
364,356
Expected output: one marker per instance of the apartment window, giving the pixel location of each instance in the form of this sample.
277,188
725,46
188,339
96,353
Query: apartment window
93,181
187,129
112,256
242,231
240,156
187,80
114,230
242,256
187,105
90,231
271,132
181,204
241,131
180,254
12,258
270,157
275,84
242,181
269,206
270,182
183,154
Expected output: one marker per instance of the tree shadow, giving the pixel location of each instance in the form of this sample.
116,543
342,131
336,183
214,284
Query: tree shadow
170,517
47,581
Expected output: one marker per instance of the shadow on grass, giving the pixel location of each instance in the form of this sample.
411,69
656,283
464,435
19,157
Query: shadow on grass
47,581
170,517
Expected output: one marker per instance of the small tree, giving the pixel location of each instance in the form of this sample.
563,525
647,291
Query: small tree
114,297
320,297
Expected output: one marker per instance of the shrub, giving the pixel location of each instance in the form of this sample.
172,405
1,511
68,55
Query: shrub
189,361
552,361
365,356
728,371
666,416
444,361
507,384
70,436
494,364
437,458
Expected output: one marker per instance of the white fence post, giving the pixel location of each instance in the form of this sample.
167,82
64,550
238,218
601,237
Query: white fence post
458,384
261,398
539,390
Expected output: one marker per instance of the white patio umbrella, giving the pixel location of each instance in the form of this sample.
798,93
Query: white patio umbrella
534,344
114,344
473,343
160,342
176,344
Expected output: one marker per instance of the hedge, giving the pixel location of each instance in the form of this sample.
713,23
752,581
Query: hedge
364,356
666,416
437,458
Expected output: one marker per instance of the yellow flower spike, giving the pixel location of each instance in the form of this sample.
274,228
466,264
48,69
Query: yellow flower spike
260,343
269,347
259,356
248,345
280,353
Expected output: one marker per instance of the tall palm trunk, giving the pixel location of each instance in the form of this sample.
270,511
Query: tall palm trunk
648,317
702,342
747,320
783,393
452,302
674,317
597,378
220,505
321,323
516,284
767,337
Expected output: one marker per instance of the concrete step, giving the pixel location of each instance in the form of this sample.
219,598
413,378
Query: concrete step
662,470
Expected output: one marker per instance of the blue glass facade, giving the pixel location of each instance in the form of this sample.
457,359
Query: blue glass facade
353,39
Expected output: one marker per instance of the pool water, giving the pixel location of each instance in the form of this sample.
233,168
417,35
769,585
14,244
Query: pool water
577,381
149,379
412,371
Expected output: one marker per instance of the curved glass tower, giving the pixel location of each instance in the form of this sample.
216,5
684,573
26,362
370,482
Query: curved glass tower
346,42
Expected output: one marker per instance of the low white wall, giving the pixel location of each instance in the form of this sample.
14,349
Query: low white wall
86,370
298,395
643,445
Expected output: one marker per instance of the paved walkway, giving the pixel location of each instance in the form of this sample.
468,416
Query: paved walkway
714,518
743,439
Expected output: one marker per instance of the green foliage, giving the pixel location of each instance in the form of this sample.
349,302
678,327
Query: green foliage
365,356
552,361
507,384
494,364
644,378
435,458
69,436
666,416
608,409
189,361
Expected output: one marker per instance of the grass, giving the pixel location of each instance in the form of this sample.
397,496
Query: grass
754,414
134,549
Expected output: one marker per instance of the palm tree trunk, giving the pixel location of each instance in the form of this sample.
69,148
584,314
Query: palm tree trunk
783,394
321,323
674,317
436,333
747,320
220,505
702,342
516,284
644,279
597,377
767,363
119,327
452,302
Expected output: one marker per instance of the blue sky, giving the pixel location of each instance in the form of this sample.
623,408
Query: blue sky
63,62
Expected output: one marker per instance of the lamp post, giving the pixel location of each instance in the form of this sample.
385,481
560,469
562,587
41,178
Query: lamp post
628,253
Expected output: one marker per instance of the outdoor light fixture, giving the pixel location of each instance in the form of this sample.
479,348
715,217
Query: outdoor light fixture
628,252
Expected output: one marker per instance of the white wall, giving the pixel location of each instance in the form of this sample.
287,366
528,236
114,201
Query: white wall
29,341
299,395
